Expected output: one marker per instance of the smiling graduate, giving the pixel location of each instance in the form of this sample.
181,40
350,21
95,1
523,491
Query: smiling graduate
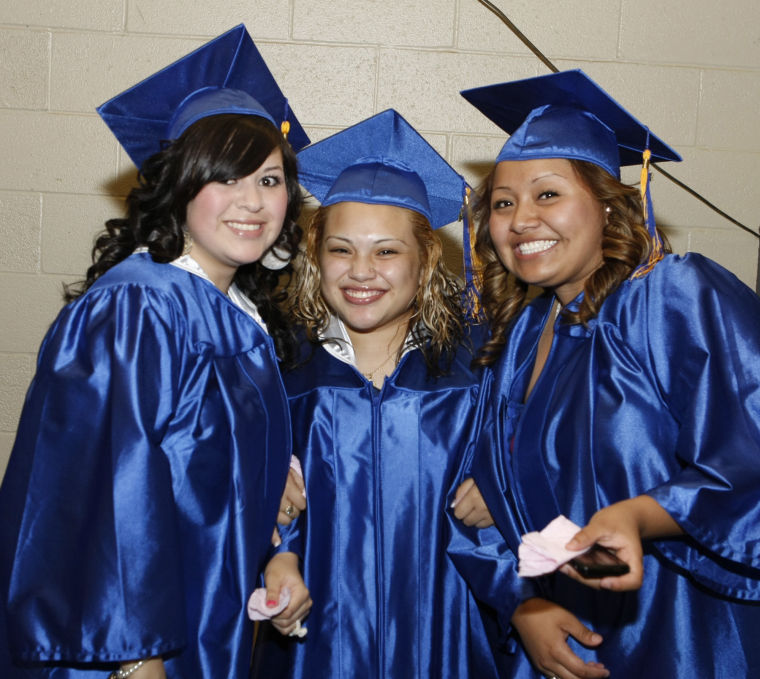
384,411
626,397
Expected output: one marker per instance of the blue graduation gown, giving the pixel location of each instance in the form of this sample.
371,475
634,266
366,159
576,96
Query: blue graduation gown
143,486
660,394
379,466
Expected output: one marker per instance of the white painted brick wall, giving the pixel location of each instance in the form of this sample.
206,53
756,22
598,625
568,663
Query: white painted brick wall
81,15
710,34
376,22
24,59
688,68
265,19
559,28
21,223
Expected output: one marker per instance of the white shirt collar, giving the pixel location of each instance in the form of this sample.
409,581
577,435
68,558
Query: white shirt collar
337,343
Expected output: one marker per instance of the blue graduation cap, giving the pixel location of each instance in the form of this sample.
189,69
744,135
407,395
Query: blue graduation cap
383,160
566,115
226,75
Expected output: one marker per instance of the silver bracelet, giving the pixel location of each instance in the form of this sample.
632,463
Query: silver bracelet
121,673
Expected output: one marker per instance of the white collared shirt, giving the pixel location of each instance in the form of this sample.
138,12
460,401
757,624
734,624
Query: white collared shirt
336,342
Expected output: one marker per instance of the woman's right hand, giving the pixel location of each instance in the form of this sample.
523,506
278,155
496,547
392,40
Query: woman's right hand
621,527
293,500
544,627
470,507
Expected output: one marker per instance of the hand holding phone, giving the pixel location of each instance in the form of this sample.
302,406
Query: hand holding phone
599,562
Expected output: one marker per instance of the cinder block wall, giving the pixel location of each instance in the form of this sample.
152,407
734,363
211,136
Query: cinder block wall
689,68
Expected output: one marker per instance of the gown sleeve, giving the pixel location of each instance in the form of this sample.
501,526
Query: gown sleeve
95,573
703,335
481,555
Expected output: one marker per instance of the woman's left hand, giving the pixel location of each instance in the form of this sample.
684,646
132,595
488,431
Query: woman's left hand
282,571
470,507
544,628
621,527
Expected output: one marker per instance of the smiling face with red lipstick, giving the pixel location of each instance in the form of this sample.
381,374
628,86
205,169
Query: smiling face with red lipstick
370,267
235,222
545,224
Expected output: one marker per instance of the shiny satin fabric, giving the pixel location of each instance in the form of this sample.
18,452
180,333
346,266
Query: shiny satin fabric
225,75
583,137
379,466
660,394
383,160
566,115
141,492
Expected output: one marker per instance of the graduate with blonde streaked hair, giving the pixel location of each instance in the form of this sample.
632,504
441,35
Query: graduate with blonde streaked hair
384,408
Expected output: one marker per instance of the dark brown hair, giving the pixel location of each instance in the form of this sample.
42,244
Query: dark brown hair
213,149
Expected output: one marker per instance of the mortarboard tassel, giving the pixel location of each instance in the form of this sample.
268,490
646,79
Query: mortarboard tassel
285,124
656,252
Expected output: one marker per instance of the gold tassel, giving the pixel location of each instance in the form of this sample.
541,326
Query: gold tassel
645,177
656,253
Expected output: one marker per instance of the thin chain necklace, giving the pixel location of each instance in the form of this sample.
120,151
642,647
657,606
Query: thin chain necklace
370,374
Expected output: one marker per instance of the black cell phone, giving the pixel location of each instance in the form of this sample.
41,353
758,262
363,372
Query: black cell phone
599,562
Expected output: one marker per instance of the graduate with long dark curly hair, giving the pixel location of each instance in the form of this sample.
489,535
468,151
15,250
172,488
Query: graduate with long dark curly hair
143,488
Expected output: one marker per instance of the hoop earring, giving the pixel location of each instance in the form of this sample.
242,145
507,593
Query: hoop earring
275,258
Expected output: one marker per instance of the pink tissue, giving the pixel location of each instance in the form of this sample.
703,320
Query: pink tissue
543,552
295,465
257,604
258,609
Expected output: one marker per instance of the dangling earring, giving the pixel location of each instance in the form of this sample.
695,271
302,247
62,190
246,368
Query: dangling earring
275,258
188,243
